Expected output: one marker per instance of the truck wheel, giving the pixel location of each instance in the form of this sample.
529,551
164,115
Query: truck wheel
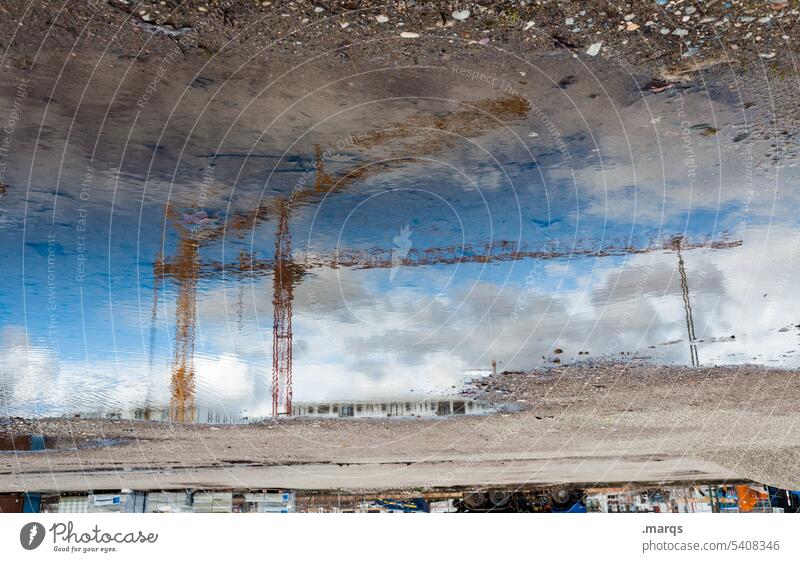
499,499
475,500
562,498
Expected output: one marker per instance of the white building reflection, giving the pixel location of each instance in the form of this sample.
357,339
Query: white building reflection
390,408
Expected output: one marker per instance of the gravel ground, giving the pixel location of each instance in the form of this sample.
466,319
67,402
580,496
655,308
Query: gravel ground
669,36
619,420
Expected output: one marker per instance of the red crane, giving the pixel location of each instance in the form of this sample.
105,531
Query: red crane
283,280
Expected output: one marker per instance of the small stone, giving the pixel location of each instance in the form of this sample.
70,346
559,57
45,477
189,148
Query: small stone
632,26
381,18
629,17
594,49
529,25
484,41
460,15
408,35
318,10
690,10
569,21
680,32
202,9
533,135
765,19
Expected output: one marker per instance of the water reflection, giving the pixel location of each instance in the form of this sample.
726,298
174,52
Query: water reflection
390,251
378,409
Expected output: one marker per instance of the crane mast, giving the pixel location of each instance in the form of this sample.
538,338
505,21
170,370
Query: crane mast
283,283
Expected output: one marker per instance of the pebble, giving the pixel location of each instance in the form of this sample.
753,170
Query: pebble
318,10
529,25
569,21
408,35
690,10
460,15
632,26
594,49
765,19
680,32
381,18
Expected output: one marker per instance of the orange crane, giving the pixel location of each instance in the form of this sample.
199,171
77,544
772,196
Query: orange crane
184,270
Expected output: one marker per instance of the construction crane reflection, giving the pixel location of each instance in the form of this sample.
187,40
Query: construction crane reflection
287,268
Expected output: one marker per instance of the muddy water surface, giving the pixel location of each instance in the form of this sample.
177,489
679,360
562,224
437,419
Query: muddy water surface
389,236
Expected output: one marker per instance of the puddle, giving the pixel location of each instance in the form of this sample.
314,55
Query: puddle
392,249
38,443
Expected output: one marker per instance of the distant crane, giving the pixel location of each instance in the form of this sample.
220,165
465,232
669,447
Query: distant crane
677,244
